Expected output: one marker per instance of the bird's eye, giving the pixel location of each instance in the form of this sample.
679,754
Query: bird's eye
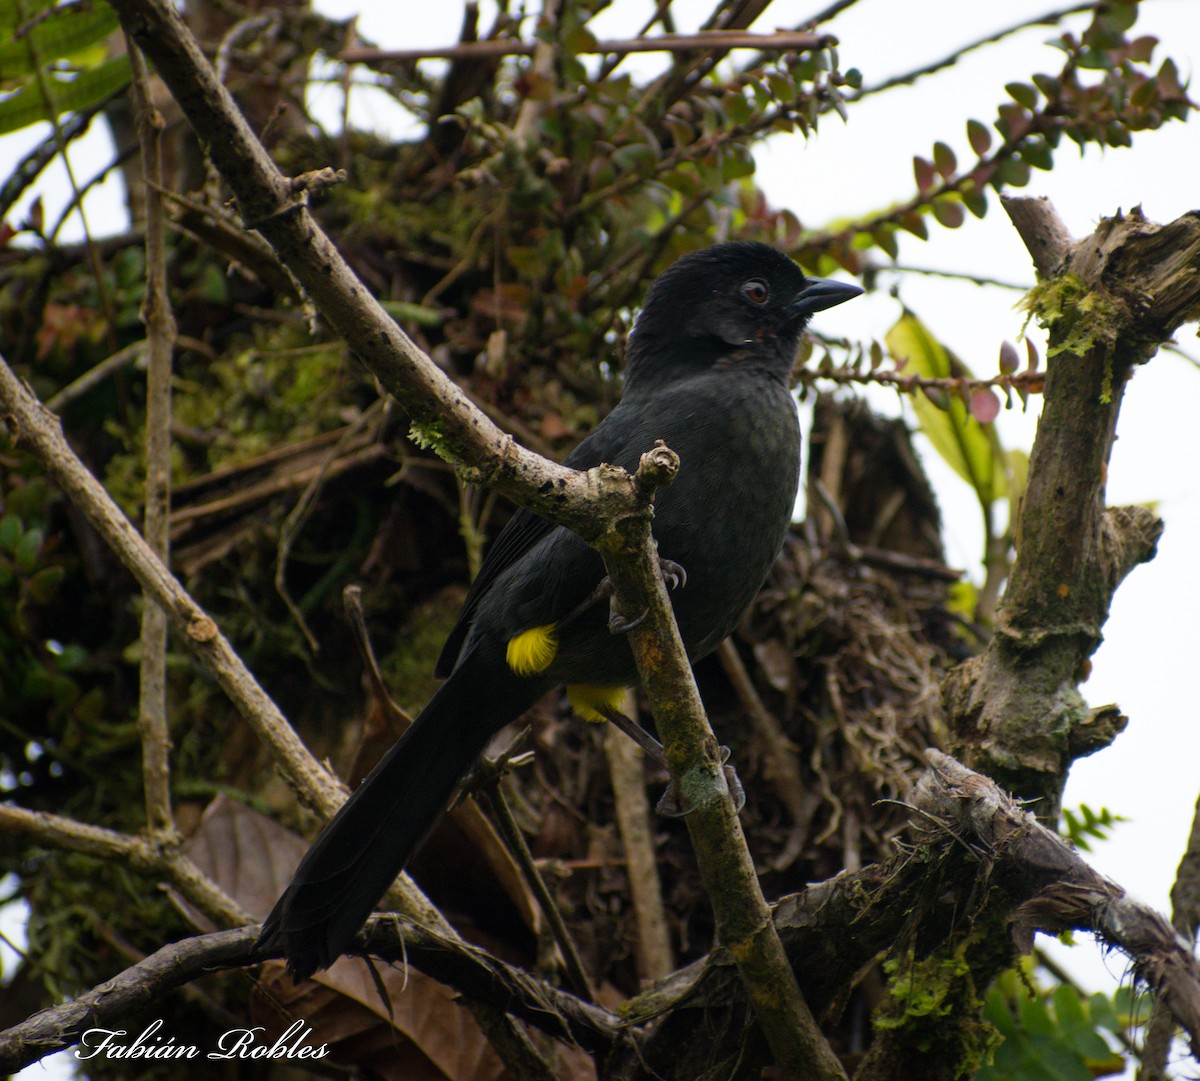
756,291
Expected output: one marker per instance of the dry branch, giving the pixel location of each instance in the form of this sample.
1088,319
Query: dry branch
781,41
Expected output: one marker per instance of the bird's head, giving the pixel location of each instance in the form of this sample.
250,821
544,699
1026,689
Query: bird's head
727,304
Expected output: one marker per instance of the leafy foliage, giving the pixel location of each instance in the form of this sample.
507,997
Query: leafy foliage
53,60
1050,1036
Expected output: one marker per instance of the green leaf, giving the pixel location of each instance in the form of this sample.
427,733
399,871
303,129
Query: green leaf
1103,1013
969,448
10,532
62,35
923,173
975,200
1036,152
28,106
944,160
17,13
404,311
1014,172
1069,1007
44,584
28,550
1117,18
1035,1016
1023,94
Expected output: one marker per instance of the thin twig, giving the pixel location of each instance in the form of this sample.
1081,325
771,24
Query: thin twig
129,354
626,765
781,763
143,854
299,513
909,77
784,40
161,330
517,846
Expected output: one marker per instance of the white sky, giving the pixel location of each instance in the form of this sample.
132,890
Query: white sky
1151,776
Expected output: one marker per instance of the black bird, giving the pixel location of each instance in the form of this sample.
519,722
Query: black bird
707,371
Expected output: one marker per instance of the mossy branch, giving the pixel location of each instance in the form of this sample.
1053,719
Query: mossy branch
1014,707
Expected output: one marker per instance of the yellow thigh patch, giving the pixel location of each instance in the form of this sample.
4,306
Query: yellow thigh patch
589,700
532,651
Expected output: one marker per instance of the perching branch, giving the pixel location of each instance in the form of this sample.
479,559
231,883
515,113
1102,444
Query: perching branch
743,919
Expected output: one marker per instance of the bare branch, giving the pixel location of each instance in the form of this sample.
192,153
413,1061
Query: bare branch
160,340
783,40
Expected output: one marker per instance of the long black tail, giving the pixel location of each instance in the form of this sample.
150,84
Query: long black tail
370,840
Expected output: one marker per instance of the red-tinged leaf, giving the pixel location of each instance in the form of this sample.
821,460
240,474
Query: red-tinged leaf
944,160
1168,78
938,397
1032,352
1141,50
985,406
925,175
1014,121
1009,361
949,213
979,137
1023,94
914,223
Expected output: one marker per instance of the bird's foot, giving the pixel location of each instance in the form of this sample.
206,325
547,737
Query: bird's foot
675,577
674,805
673,573
619,624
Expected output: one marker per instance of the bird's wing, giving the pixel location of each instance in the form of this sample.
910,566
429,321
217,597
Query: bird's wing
523,530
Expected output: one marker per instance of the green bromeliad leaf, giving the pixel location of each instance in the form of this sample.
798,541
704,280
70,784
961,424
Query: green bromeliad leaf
971,449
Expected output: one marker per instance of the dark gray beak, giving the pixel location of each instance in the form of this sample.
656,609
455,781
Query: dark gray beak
822,293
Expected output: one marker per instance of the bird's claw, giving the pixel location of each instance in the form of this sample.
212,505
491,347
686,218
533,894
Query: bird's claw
673,573
673,805
619,624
